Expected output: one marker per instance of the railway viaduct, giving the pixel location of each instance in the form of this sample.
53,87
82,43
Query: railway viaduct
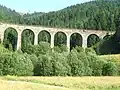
52,31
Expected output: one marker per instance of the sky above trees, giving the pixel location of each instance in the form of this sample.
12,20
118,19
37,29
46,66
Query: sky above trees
30,6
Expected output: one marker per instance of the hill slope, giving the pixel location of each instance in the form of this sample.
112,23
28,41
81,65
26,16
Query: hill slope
8,15
91,15
99,14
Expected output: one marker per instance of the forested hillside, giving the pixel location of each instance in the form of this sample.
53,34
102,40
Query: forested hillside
92,15
99,14
8,15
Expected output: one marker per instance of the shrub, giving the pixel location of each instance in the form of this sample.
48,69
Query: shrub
114,59
90,51
3,50
118,68
60,48
44,66
80,63
77,66
54,64
60,65
57,49
29,49
95,64
15,64
42,48
34,59
109,69
83,58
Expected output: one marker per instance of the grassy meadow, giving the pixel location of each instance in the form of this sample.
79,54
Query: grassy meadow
114,57
59,83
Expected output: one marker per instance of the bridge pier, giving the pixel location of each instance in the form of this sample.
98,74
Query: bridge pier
84,43
68,42
2,29
52,40
36,39
19,41
2,37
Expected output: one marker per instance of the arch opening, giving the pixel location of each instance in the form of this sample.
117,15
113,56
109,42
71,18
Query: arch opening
106,37
10,38
75,40
27,38
60,38
92,40
44,36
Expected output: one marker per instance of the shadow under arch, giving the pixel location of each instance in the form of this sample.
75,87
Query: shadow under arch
75,40
27,37
10,38
106,37
60,38
92,40
44,36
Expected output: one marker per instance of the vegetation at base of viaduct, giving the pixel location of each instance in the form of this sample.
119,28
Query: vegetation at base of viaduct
40,60
98,14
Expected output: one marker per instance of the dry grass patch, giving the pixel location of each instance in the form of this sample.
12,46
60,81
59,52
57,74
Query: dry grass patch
72,83
20,85
115,57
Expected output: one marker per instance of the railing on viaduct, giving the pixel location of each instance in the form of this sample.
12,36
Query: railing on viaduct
52,31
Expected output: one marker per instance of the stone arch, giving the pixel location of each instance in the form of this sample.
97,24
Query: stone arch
92,40
44,36
10,38
60,38
106,37
27,37
76,39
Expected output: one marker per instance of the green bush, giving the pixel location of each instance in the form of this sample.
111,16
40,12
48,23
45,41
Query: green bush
90,51
77,66
85,62
114,59
44,66
109,69
97,66
41,48
3,50
15,64
83,58
42,61
118,67
95,63
60,65
60,48
57,49
34,59
54,64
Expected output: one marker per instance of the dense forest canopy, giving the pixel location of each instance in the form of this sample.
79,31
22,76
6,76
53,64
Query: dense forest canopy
8,15
98,14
